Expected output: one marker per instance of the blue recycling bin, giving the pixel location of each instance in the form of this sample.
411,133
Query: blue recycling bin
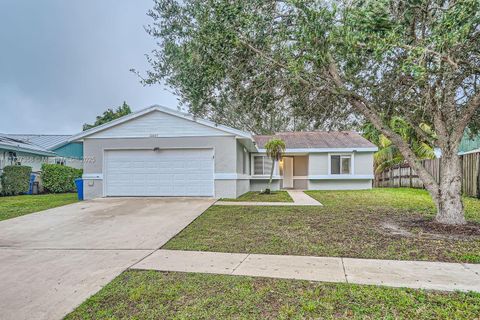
30,185
79,184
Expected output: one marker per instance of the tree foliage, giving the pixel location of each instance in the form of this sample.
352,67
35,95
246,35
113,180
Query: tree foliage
388,155
109,115
257,62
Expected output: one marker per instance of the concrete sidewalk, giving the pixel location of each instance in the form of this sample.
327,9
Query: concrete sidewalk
393,273
299,198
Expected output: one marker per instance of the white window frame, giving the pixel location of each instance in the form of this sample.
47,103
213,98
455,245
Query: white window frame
352,164
265,174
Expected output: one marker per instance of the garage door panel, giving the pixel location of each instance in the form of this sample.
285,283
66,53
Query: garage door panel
179,172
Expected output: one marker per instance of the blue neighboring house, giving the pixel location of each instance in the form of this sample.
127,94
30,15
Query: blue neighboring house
64,152
19,152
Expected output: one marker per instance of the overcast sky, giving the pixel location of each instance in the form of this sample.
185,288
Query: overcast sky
63,62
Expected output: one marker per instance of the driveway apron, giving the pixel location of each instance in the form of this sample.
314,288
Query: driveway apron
51,261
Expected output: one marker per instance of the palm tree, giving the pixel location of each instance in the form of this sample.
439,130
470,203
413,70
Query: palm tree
275,150
388,154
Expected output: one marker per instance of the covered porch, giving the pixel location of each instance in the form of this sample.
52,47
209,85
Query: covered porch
294,171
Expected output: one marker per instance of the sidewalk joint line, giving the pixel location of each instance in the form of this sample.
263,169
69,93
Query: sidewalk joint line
240,263
344,272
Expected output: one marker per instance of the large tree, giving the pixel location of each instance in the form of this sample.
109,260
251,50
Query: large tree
329,60
109,115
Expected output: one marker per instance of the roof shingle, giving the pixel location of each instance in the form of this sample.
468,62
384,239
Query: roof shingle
317,139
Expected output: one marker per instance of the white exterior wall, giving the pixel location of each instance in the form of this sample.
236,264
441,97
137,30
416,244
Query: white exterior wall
318,164
321,179
364,163
261,185
158,124
339,184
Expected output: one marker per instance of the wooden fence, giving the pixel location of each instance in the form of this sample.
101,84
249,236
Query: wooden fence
404,176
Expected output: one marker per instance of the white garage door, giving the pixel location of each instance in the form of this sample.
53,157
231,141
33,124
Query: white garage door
168,172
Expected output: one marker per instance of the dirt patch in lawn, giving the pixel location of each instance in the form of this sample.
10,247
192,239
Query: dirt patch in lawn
469,231
394,229
429,229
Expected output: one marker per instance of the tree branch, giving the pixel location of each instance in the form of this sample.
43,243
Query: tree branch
443,57
362,106
472,106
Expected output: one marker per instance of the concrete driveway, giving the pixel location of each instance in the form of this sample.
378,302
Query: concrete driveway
51,261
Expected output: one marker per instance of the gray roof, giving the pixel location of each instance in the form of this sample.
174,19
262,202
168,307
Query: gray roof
46,141
317,139
14,144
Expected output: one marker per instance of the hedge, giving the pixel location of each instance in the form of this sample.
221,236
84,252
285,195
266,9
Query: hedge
15,180
58,179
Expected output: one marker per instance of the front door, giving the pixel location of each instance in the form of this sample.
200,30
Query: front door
288,172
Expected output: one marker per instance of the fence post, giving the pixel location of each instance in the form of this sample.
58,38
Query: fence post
410,176
391,177
400,175
478,176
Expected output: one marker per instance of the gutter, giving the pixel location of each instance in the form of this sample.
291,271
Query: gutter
27,150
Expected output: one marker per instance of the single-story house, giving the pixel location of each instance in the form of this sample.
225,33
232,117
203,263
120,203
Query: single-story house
64,152
19,152
159,151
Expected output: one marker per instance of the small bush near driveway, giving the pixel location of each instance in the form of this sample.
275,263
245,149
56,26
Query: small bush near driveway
59,179
161,295
15,180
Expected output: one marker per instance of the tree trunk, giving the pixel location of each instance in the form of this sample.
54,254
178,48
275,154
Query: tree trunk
448,200
271,175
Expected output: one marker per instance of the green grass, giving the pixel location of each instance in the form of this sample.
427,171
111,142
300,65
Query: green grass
406,199
11,207
350,224
253,196
161,295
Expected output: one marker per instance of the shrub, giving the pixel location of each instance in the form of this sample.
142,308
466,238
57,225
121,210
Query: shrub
15,180
58,179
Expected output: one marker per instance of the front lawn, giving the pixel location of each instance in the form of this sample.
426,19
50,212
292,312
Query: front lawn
378,223
161,295
254,196
15,206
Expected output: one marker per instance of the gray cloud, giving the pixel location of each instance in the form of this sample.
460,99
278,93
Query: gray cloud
63,62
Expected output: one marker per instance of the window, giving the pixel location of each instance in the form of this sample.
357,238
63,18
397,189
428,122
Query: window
261,165
12,157
341,164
